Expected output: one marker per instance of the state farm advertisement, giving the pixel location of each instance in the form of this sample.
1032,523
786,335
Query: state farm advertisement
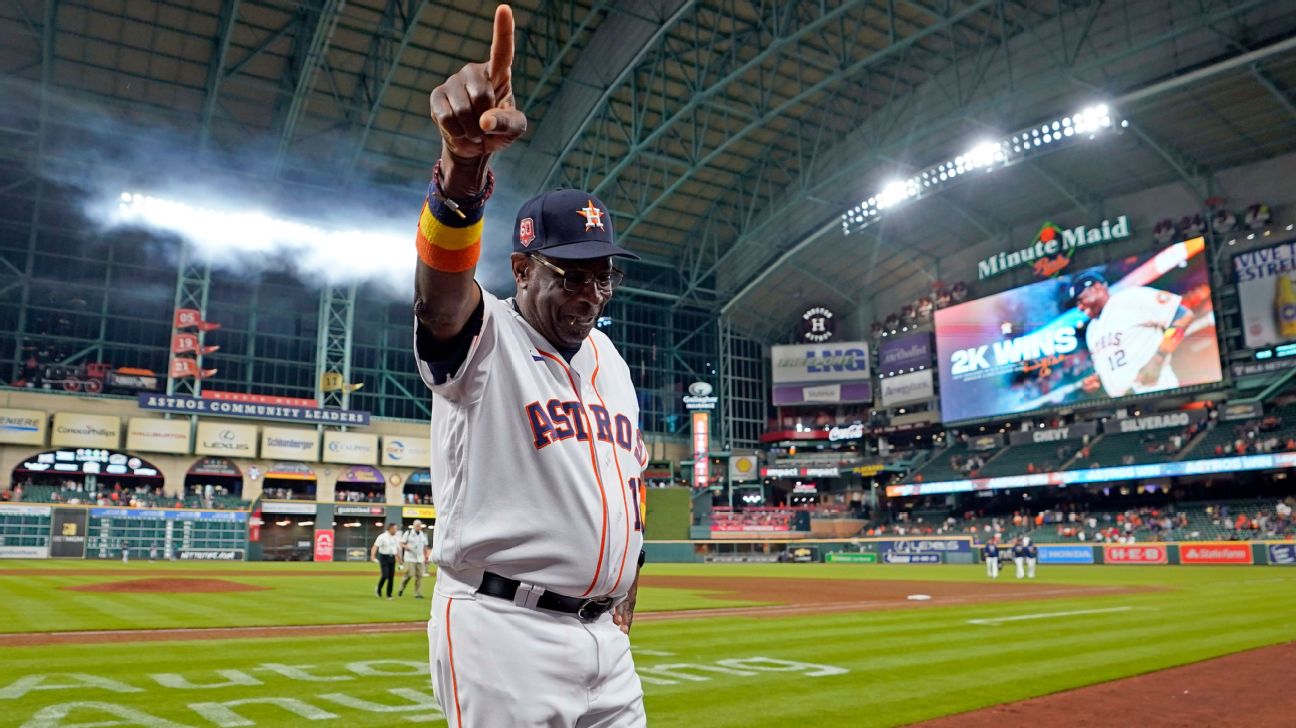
1215,553
1152,553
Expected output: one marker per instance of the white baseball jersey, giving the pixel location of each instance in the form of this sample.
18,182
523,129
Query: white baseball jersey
1126,335
537,461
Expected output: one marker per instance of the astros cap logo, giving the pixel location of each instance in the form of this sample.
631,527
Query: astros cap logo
593,216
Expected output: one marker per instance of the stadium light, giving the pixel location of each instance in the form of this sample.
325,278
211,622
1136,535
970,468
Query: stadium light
985,155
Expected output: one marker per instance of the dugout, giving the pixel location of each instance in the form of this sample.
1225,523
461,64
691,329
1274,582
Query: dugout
287,531
354,529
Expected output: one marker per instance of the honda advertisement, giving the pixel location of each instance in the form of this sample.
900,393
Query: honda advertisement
1140,324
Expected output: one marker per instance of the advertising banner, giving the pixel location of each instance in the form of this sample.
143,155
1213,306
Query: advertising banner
701,449
260,398
1282,554
324,544
292,509
427,512
1066,555
1160,421
907,353
1209,466
68,533
407,451
366,474
1241,411
993,441
17,510
1215,553
1153,553
211,554
222,438
893,557
744,468
24,552
76,430
154,434
828,373
169,514
906,388
289,443
217,467
225,408
1056,434
22,427
1089,336
1267,292
367,511
355,448
850,557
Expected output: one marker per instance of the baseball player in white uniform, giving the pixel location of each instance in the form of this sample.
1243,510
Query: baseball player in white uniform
534,425
1131,335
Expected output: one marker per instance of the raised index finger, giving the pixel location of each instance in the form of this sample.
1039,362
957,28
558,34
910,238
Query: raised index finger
501,55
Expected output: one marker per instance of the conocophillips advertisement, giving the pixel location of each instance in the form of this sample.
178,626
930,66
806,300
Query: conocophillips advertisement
829,373
1268,293
77,430
1141,324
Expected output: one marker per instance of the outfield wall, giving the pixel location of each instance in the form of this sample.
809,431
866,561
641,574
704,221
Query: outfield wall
961,550
41,531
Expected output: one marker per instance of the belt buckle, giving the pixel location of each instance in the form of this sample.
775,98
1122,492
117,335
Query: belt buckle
592,609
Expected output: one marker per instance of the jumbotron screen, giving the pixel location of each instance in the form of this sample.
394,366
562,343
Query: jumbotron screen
1141,324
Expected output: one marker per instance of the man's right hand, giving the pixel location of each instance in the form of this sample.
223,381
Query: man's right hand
474,111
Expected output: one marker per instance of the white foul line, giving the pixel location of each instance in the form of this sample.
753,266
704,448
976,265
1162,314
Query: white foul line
1048,615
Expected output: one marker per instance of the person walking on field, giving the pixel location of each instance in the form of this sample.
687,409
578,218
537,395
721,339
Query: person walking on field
1032,557
385,548
415,554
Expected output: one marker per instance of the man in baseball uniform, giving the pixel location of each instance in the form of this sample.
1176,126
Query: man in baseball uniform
990,552
1032,557
534,425
1131,335
1019,557
415,558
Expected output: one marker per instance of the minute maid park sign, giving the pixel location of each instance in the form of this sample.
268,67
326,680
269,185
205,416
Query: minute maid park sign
1050,242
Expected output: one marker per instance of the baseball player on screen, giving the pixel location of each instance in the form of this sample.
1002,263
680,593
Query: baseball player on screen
1131,335
534,425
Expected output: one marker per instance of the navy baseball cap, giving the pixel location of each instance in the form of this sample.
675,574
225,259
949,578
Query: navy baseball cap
566,225
1083,281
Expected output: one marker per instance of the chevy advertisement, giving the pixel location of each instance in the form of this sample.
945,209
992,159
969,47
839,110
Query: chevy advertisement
1141,324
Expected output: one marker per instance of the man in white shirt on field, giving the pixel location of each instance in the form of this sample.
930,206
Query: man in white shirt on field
416,554
385,548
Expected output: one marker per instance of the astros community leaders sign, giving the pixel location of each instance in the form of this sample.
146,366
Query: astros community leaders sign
195,406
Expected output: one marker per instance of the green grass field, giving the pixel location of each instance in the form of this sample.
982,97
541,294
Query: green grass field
861,669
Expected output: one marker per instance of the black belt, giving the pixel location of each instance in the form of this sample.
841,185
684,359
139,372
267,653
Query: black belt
586,610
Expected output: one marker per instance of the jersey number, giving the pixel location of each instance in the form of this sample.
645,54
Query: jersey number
1117,360
633,485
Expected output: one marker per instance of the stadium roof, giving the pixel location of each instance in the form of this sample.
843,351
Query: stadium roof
727,137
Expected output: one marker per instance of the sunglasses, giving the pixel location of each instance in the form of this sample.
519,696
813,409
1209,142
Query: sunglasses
575,281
